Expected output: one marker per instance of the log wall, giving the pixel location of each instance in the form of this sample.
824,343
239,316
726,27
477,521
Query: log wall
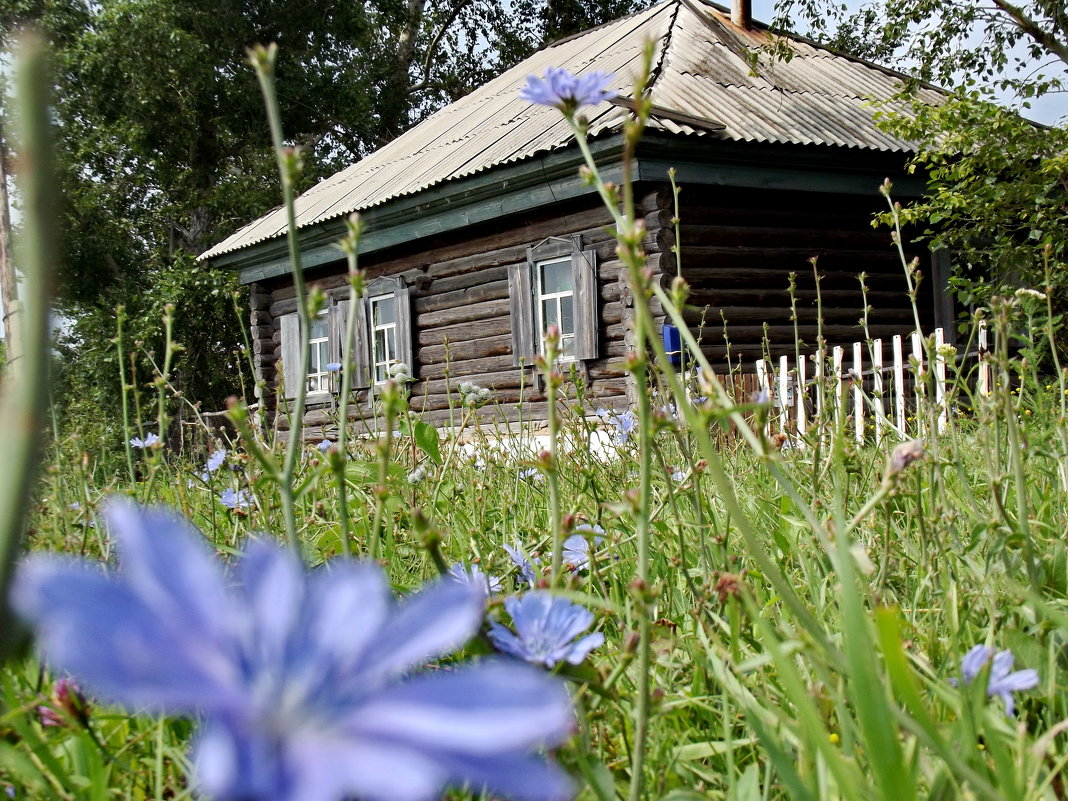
738,250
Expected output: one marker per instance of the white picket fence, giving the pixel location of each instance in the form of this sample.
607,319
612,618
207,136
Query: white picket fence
877,394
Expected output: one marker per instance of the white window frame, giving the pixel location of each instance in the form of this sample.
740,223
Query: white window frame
318,380
387,359
539,300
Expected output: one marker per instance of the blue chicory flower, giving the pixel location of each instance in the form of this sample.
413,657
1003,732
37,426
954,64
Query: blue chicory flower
324,446
303,682
678,476
215,461
567,92
333,367
145,443
547,630
577,546
525,565
474,577
1003,681
531,473
235,499
625,423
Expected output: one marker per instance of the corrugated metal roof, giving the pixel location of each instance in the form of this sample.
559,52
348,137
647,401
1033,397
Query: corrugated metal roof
818,98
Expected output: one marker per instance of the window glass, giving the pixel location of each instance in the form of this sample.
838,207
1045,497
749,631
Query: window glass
319,328
567,314
556,277
382,310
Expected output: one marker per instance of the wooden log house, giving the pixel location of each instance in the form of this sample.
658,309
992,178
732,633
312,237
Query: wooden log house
479,231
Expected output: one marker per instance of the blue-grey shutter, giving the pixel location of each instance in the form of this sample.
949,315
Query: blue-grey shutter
361,346
521,306
291,376
587,319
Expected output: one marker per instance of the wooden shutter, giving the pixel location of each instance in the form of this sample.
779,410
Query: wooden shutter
521,306
291,376
361,346
402,305
587,319
339,320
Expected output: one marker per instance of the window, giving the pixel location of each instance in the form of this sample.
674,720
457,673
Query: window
557,284
319,354
556,303
383,320
382,336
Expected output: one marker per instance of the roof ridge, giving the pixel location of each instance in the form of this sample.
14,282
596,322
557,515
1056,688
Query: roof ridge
658,69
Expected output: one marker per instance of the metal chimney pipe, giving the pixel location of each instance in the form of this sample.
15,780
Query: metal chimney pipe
742,13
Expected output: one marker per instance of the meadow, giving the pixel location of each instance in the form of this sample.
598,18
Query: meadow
798,617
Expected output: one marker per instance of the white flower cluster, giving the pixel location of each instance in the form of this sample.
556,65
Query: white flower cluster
400,372
473,395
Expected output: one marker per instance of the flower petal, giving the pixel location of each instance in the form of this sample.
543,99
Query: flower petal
103,632
581,648
272,582
348,603
517,776
974,660
166,563
435,621
491,708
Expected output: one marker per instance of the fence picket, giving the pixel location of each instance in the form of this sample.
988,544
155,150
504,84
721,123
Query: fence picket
877,388
899,385
858,393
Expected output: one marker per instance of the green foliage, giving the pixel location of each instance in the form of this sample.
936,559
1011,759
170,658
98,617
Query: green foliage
998,195
165,151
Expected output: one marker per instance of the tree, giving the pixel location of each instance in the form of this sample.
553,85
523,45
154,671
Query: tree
998,191
164,148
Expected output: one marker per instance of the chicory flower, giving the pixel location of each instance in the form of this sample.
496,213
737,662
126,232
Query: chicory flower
215,461
145,443
560,89
474,577
525,565
307,684
1003,681
235,499
547,630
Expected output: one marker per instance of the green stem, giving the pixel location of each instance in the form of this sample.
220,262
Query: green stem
25,398
263,62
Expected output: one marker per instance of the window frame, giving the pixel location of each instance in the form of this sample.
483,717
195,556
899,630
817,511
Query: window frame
525,296
387,328
540,296
322,377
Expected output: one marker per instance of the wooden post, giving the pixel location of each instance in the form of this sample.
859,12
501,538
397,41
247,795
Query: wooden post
858,393
877,388
799,396
899,386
